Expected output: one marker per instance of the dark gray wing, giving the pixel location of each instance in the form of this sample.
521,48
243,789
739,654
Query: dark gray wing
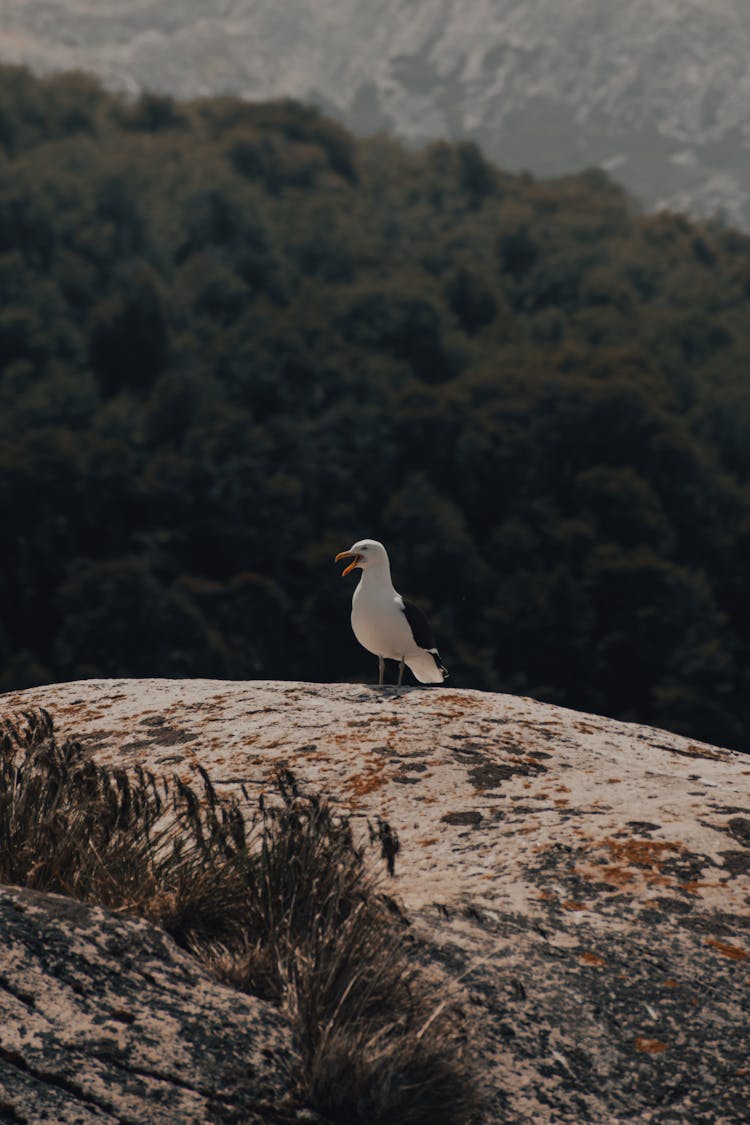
422,632
420,626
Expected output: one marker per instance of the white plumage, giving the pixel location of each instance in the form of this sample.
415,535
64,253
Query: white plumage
384,623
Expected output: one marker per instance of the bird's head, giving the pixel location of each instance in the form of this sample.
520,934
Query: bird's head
366,553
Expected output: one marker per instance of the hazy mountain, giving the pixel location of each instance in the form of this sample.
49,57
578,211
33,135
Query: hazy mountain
656,91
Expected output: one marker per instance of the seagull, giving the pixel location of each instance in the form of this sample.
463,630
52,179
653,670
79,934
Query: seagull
385,623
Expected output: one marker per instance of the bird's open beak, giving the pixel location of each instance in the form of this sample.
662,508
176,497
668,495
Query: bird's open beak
348,555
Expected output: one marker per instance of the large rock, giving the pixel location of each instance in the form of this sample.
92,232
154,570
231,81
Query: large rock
104,1019
588,879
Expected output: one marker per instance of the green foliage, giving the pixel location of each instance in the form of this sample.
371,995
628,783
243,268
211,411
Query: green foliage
233,339
129,334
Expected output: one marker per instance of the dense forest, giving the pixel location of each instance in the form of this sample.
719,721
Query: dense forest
234,339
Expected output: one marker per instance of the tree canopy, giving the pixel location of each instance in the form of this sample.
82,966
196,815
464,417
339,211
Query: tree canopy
234,339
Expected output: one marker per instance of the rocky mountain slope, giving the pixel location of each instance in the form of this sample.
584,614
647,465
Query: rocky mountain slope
587,880
658,93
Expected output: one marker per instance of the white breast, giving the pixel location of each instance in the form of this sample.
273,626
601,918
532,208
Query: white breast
379,622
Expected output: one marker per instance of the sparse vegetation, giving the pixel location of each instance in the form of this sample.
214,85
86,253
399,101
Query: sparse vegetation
279,903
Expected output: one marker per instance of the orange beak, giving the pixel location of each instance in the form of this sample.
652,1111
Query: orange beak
348,555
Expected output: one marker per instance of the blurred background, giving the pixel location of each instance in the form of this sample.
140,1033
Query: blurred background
473,279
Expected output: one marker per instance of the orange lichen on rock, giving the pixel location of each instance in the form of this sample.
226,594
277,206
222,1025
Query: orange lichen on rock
592,959
639,852
462,701
712,755
649,1046
692,886
620,875
632,861
367,781
735,952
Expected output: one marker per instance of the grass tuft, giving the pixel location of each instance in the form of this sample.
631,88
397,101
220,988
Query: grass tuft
279,903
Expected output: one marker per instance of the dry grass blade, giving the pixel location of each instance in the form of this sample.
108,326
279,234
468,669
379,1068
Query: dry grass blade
70,826
281,904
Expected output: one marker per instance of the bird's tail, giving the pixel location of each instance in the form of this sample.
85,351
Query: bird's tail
426,666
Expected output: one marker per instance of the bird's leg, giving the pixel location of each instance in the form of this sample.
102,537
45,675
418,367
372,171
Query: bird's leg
381,670
400,672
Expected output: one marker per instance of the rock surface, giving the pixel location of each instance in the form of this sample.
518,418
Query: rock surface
103,1019
588,879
